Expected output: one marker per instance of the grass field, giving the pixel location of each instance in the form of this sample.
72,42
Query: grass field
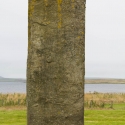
100,109
12,116
92,117
105,117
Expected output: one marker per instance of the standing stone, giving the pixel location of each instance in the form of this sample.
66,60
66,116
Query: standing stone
55,65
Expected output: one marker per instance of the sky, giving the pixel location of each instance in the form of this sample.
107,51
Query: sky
104,45
105,38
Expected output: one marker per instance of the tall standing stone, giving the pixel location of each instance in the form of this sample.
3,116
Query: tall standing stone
55,70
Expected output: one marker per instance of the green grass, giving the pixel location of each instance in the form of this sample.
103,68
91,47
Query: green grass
92,116
13,117
104,117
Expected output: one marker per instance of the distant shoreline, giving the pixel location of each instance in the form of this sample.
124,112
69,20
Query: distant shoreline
105,81
12,80
87,81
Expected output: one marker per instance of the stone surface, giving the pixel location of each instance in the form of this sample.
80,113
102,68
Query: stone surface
55,70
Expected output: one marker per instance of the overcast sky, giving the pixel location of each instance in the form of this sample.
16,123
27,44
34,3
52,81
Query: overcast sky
105,38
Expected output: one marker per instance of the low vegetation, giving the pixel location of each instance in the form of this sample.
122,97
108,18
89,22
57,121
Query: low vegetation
92,100
104,100
15,99
100,109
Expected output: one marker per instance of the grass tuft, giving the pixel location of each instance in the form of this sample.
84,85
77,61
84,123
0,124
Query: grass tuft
12,99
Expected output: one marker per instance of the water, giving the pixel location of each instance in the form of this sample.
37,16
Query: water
12,87
19,87
105,88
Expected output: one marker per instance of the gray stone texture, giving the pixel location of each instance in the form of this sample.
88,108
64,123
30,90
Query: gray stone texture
55,64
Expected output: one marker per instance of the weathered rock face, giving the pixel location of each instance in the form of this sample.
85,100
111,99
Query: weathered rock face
55,70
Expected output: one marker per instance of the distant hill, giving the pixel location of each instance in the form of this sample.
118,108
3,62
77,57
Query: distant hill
95,78
104,80
88,80
1,77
